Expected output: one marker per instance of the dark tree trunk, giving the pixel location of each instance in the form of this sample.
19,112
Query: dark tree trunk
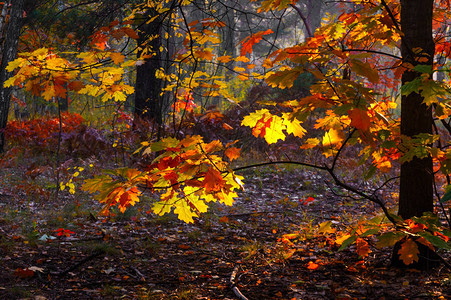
416,194
416,183
148,104
9,52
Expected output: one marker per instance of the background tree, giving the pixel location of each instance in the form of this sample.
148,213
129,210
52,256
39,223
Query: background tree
13,18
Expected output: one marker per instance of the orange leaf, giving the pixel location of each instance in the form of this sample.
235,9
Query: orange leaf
213,180
224,59
129,197
117,57
226,126
247,43
312,266
224,219
409,252
204,54
75,85
359,119
363,249
232,153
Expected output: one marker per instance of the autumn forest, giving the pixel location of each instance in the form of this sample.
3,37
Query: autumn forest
225,149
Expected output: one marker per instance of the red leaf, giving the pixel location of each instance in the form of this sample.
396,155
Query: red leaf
23,273
64,232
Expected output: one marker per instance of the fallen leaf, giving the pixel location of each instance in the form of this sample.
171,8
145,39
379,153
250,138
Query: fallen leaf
312,266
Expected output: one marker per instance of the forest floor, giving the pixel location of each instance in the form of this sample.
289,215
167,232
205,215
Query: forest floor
229,253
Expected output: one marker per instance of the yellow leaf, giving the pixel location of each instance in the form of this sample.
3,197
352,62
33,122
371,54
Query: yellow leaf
340,239
49,92
293,125
333,137
242,59
326,227
15,64
310,143
184,212
265,125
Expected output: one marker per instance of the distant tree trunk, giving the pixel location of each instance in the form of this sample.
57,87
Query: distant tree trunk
228,39
314,14
148,104
9,52
416,182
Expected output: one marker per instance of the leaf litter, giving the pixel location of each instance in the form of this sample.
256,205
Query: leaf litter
267,241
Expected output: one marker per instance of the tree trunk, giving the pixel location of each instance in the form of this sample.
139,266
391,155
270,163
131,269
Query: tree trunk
228,44
313,18
416,182
416,194
148,104
9,52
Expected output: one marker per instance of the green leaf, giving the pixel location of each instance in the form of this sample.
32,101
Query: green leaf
423,69
447,196
284,79
435,240
389,239
348,242
370,232
412,86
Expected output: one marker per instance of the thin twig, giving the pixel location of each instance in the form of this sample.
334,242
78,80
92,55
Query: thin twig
235,289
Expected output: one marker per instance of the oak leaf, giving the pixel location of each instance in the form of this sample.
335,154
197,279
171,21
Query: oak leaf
117,57
213,180
232,153
408,252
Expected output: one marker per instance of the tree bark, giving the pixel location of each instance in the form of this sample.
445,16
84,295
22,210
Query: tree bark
416,181
148,104
9,52
416,187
